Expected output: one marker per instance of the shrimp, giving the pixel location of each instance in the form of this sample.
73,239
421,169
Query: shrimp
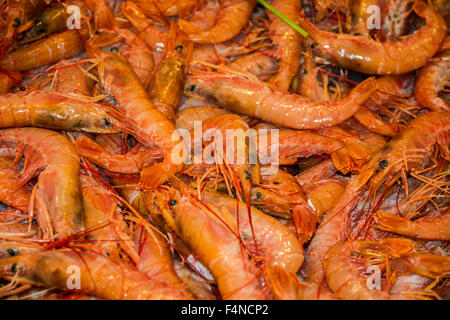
431,79
342,274
260,64
57,193
55,111
168,8
138,55
407,151
211,235
256,99
103,220
321,171
185,118
275,242
20,16
294,144
18,198
132,162
54,48
233,17
287,41
8,80
430,227
324,194
168,87
375,124
286,286
372,57
155,260
70,77
48,269
53,19
154,36
103,16
150,126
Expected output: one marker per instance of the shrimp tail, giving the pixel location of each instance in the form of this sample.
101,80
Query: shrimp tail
305,221
282,284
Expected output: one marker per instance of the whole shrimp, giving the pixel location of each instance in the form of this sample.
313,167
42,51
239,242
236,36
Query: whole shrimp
54,110
433,78
151,127
233,17
287,41
409,150
372,57
342,274
256,99
100,276
57,194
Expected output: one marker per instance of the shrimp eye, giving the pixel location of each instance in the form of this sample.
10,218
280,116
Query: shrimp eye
172,202
179,48
107,122
193,88
11,252
383,163
114,50
247,175
16,22
258,195
14,268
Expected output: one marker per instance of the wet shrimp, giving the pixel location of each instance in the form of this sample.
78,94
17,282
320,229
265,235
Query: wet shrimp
256,99
372,57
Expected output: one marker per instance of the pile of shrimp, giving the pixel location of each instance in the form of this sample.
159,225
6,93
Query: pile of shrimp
107,190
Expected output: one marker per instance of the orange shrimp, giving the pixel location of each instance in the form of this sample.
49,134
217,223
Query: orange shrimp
185,118
233,17
57,193
150,126
50,269
409,150
375,124
19,197
169,8
260,64
154,36
256,99
294,144
52,49
321,171
9,80
55,111
324,194
431,79
343,278
103,16
372,57
138,55
286,286
70,77
430,227
170,75
275,242
211,235
287,41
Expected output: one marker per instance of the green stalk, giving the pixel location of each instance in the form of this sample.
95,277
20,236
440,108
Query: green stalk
291,23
